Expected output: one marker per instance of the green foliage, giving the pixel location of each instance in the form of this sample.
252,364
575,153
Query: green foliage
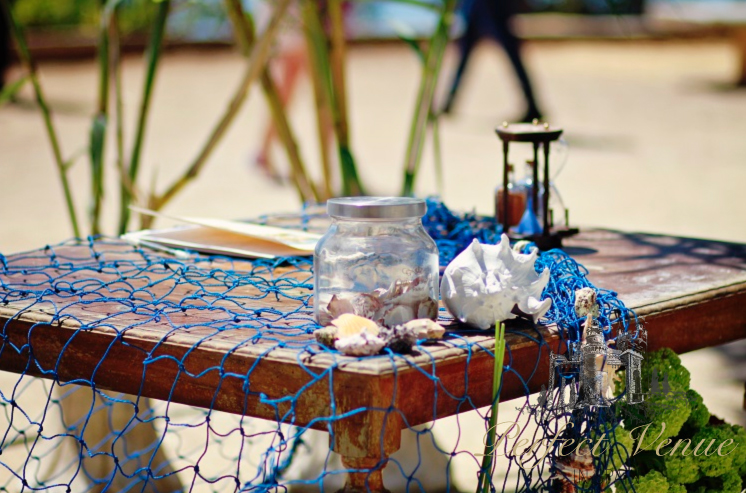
56,12
739,454
676,488
688,419
729,482
668,363
680,468
134,16
621,449
652,482
618,446
715,465
672,408
699,416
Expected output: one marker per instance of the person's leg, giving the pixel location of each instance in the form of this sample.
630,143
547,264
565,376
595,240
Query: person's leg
292,63
466,45
512,45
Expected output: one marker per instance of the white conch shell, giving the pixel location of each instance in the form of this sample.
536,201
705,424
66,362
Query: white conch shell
484,283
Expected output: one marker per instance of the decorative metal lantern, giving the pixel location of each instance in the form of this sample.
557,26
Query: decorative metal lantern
546,234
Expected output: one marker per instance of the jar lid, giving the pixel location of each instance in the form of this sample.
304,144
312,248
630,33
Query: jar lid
376,207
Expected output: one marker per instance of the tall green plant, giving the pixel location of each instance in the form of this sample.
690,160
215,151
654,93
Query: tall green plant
423,110
153,55
485,472
327,54
62,165
244,30
257,62
325,38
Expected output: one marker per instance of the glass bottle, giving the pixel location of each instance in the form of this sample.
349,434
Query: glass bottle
377,261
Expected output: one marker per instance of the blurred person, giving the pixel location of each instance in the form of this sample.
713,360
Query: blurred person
491,19
287,66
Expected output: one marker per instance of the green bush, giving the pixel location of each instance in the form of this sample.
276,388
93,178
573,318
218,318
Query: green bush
135,15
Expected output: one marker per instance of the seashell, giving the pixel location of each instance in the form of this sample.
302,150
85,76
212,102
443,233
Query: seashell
428,309
399,339
349,325
361,344
339,306
585,302
366,305
325,318
326,336
424,328
573,469
484,284
398,315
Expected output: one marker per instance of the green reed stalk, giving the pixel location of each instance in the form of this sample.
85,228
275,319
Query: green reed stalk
258,60
351,184
97,140
28,61
245,34
116,72
152,56
485,473
9,92
319,73
327,55
425,96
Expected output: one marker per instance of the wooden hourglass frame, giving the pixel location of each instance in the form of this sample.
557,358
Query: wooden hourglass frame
540,136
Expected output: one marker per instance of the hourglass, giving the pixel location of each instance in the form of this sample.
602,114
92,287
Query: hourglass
546,234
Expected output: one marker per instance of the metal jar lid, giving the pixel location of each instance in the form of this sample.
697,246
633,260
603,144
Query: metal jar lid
376,207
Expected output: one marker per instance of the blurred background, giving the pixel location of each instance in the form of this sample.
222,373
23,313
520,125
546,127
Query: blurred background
650,94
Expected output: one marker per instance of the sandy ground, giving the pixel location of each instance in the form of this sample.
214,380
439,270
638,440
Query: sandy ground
656,136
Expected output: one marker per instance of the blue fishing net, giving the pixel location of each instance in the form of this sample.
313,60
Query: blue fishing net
67,428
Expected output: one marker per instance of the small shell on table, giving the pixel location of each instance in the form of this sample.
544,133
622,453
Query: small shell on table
585,302
424,329
352,335
349,325
326,336
362,344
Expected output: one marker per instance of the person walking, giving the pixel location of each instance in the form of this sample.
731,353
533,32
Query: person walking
491,19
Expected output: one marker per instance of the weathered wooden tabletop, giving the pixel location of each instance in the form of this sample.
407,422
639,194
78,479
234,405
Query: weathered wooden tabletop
691,293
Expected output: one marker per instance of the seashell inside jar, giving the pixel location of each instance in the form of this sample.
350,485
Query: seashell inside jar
376,261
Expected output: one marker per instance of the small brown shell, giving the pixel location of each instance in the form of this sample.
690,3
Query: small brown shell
339,306
326,336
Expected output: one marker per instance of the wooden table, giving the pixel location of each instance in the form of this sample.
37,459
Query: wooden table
691,293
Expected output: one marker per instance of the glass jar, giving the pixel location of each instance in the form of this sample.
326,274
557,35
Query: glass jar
376,261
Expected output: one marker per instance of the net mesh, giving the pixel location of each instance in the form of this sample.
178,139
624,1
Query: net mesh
63,433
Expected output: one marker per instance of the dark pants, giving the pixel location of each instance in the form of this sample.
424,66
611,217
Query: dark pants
490,19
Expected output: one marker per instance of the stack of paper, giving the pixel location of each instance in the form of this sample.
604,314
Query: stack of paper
221,237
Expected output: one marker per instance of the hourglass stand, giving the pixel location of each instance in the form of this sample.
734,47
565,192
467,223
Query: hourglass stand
540,136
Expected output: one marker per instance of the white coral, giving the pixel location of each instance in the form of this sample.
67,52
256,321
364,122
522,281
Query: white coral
484,283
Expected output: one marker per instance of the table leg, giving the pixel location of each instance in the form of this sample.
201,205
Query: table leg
370,477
